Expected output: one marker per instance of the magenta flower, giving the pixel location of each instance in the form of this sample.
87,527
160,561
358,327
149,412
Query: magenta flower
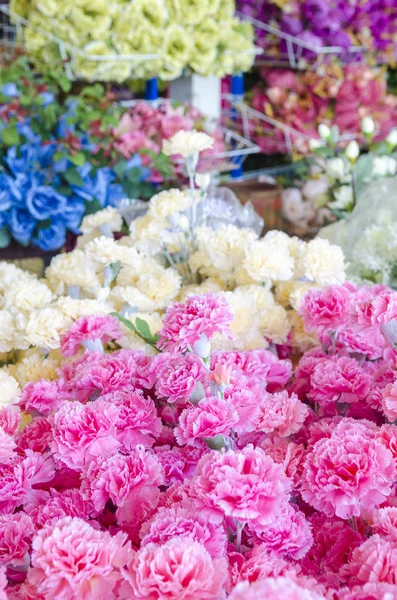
42,396
246,485
210,418
281,413
16,532
184,324
177,376
90,332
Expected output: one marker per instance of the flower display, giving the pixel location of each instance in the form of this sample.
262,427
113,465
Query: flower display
334,95
167,37
319,24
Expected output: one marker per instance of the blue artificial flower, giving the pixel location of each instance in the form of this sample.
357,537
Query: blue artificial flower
52,237
31,157
63,127
136,161
73,213
21,225
115,194
10,89
44,201
24,128
96,186
6,186
47,97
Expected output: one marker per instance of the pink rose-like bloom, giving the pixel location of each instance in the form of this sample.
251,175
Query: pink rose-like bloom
389,401
325,310
42,395
68,503
10,418
384,307
339,380
279,588
246,485
288,535
36,436
282,413
130,482
178,463
177,376
95,328
16,532
180,521
83,432
184,324
137,422
180,569
73,561
210,418
374,561
348,472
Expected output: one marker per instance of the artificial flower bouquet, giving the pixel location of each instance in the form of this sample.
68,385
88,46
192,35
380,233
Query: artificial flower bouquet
371,24
330,185
203,36
332,95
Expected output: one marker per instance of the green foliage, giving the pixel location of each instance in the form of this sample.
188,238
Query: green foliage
140,328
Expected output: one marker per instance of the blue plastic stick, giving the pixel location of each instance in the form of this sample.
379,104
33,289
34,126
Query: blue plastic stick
238,95
152,89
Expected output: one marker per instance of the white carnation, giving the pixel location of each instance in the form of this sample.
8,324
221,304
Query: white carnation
274,324
167,203
45,327
268,260
323,263
76,308
108,217
187,143
7,331
73,268
9,389
27,295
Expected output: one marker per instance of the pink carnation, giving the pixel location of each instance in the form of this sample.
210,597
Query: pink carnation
281,413
246,405
177,376
130,482
339,380
178,463
10,418
389,401
23,592
258,563
384,307
179,569
279,588
83,432
325,309
374,561
183,521
11,489
73,561
42,396
16,532
384,522
246,485
369,591
288,535
36,436
90,332
348,472
68,503
7,447
33,474
212,417
137,422
203,315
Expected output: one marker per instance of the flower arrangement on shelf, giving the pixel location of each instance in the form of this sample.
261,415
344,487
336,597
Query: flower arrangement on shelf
62,158
370,24
329,186
333,95
204,37
236,474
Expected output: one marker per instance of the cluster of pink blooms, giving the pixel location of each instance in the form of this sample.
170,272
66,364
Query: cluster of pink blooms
342,96
199,475
145,127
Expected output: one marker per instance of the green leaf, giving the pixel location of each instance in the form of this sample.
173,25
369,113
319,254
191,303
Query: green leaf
77,159
96,91
10,136
119,168
92,207
134,175
5,237
125,322
73,177
362,173
143,328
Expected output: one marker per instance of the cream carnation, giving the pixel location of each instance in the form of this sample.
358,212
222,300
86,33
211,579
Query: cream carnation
7,331
167,203
211,284
73,268
267,260
225,248
108,217
45,327
187,143
27,295
74,308
105,250
323,263
275,325
150,236
34,366
9,389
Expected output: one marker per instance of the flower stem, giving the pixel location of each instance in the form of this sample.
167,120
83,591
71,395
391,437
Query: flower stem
239,528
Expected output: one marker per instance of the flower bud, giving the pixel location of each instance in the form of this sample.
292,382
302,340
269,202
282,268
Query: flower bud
174,219
184,224
389,330
324,131
203,181
368,125
315,145
352,150
202,347
392,137
215,443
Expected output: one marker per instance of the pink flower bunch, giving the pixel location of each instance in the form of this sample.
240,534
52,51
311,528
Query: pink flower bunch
202,475
91,330
304,100
145,127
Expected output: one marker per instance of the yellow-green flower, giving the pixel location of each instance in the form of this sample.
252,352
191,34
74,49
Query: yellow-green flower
202,62
20,7
177,47
206,35
226,10
145,13
91,21
188,12
53,8
34,41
